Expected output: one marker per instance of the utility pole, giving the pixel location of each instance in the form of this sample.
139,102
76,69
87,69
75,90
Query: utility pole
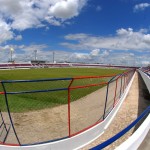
53,57
11,54
35,55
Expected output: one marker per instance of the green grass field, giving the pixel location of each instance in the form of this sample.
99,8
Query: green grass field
36,101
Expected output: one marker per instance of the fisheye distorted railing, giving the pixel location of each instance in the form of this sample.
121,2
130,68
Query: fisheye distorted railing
20,98
146,112
124,131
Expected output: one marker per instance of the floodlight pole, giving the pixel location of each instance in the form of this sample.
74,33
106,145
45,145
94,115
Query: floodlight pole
53,57
35,51
11,53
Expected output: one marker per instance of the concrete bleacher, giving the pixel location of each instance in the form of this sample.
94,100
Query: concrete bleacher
57,65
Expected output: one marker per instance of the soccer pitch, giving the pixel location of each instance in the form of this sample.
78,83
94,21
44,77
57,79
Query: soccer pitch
35,101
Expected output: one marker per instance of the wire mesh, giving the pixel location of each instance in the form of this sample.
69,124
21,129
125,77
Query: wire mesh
6,131
83,81
115,90
41,125
89,108
119,89
40,110
35,113
111,95
36,85
29,96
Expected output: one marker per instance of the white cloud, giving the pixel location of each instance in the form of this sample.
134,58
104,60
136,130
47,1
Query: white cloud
31,13
25,53
34,47
131,54
98,8
125,39
53,21
95,52
25,14
145,63
125,32
105,53
78,36
80,57
146,38
65,9
141,6
18,37
5,31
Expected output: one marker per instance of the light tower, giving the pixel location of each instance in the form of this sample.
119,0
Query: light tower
11,54
53,56
35,55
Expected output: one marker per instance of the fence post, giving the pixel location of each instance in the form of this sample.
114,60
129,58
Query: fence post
4,126
115,92
107,96
69,99
120,88
6,100
124,83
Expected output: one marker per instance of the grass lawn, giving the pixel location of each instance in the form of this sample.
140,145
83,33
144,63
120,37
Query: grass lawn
35,101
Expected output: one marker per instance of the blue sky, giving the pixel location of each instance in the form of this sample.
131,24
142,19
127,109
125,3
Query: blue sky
92,31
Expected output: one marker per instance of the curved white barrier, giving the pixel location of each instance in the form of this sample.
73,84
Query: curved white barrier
80,140
134,141
146,79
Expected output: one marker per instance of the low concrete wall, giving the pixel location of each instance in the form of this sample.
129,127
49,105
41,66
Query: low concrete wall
146,79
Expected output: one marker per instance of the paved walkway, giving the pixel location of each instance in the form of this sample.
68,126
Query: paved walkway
133,105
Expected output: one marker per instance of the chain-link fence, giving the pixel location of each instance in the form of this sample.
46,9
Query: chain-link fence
34,111
88,110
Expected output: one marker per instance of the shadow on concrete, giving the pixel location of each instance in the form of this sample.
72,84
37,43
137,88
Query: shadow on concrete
143,100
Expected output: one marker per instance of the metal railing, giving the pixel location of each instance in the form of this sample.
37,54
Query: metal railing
121,133
17,92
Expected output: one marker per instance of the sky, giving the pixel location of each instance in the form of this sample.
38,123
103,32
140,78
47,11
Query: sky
89,31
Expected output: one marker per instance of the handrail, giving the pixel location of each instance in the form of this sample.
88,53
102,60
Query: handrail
121,133
38,80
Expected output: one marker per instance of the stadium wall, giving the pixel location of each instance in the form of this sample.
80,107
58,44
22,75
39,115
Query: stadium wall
146,79
47,65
